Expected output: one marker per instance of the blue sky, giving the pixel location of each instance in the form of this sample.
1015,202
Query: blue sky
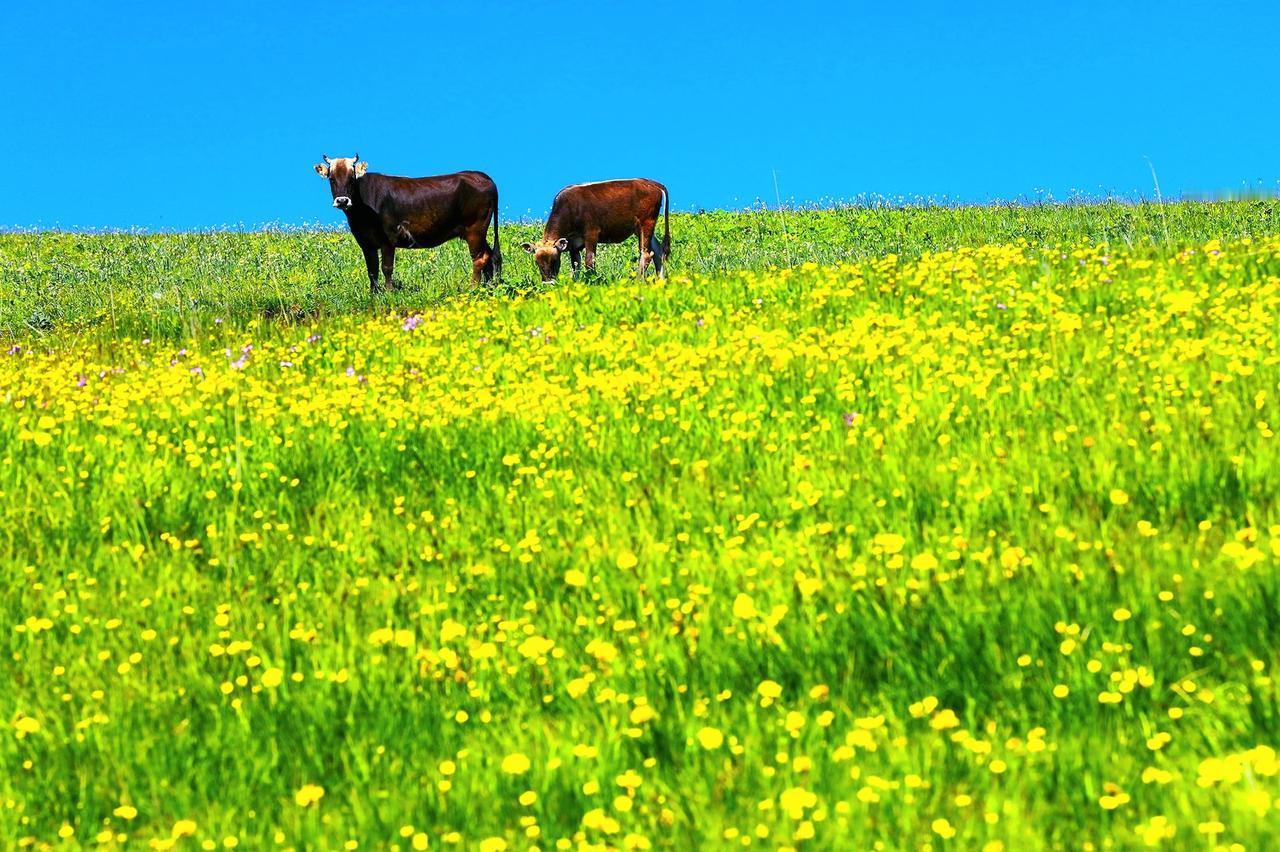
181,115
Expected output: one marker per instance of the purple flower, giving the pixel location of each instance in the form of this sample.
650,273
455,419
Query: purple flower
81,381
217,320
313,338
1002,306
851,416
286,364
412,322
701,322
197,370
247,348
351,371
15,350
238,364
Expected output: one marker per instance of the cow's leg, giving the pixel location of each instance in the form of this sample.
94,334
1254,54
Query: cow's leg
481,260
645,234
485,263
371,266
389,265
589,243
482,266
575,259
656,248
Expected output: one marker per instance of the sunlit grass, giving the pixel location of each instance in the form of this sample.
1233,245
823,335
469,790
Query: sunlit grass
956,547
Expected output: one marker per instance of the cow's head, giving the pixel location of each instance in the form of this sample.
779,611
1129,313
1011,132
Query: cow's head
546,254
342,174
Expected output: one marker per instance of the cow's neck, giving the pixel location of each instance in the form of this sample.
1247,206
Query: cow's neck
554,230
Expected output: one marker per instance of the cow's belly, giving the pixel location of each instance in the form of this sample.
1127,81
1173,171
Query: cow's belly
617,234
410,238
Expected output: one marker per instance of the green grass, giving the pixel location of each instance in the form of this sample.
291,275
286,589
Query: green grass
174,285
859,518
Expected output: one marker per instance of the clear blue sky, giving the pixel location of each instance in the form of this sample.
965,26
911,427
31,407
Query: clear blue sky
181,115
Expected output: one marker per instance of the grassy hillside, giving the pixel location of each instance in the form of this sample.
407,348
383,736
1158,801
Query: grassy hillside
961,533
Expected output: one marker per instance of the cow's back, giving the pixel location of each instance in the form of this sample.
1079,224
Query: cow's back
424,212
610,208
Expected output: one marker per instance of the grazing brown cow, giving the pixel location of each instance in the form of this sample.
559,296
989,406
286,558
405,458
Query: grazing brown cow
611,211
387,213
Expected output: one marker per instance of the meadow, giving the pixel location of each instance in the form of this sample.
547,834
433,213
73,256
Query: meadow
868,528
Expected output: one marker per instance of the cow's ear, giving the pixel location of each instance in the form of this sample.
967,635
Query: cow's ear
322,170
527,247
562,244
361,168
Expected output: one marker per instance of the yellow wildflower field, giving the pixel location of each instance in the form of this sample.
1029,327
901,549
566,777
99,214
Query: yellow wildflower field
976,549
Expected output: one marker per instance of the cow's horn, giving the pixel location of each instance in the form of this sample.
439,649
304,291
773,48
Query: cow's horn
356,158
326,157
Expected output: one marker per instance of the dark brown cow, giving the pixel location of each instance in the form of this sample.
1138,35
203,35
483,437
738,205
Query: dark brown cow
387,213
611,211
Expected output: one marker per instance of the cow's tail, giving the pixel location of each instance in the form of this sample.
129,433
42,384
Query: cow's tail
497,244
666,225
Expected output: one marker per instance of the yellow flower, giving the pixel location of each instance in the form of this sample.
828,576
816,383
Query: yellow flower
574,577
126,812
627,560
943,829
629,779
515,764
924,562
710,738
272,677
1118,497
944,720
308,794
889,543
597,819
642,714
769,689
451,630
795,800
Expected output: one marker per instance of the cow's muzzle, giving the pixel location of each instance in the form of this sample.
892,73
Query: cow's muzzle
342,202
